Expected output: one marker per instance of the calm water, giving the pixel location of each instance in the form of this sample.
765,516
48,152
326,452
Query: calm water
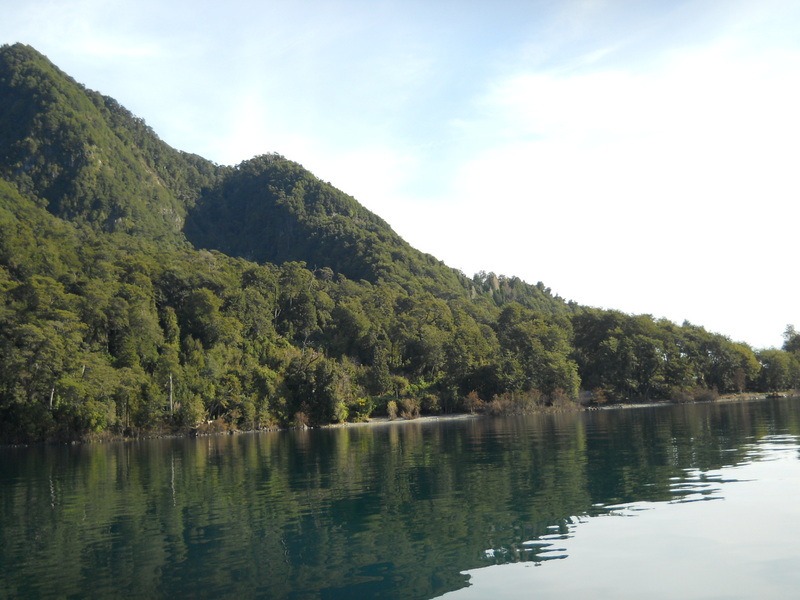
691,502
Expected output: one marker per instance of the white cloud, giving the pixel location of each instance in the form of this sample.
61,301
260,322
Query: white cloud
655,192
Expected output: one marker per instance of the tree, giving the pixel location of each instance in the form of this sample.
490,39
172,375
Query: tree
791,340
536,352
779,370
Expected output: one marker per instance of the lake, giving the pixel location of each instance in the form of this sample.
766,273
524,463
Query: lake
690,501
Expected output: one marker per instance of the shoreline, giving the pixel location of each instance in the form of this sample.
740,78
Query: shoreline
384,421
743,397
378,421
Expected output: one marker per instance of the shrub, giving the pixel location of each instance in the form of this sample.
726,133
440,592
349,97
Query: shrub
500,405
391,410
560,399
515,403
301,419
410,408
360,409
600,396
706,395
472,402
430,404
697,394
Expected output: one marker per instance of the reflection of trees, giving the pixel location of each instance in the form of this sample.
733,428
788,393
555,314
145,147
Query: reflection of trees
394,511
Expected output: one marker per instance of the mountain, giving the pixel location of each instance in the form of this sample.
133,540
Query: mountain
89,161
86,158
146,289
270,209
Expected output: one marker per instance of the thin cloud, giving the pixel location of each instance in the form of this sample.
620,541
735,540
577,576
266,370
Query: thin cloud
650,193
116,49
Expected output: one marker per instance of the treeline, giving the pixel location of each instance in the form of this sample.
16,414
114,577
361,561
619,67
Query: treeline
112,333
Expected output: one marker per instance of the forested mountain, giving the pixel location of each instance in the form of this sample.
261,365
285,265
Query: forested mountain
269,209
87,158
146,289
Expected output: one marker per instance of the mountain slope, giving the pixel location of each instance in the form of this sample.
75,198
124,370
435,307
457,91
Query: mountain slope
270,209
87,158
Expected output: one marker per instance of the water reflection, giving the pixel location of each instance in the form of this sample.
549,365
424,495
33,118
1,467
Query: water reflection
394,511
730,533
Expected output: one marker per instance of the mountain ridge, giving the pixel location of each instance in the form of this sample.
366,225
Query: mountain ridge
66,138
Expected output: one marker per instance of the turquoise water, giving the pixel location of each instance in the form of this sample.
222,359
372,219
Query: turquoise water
683,501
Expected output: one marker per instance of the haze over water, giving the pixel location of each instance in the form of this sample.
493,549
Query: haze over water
683,501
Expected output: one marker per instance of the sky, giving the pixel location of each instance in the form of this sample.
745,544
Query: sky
635,155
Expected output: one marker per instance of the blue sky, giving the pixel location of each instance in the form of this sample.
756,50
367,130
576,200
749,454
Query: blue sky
634,155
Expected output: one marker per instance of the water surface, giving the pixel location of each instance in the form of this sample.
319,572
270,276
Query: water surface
691,501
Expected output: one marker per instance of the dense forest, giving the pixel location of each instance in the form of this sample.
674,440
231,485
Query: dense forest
149,290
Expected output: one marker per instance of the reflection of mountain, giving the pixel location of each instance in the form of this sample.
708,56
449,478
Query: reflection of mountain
396,511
